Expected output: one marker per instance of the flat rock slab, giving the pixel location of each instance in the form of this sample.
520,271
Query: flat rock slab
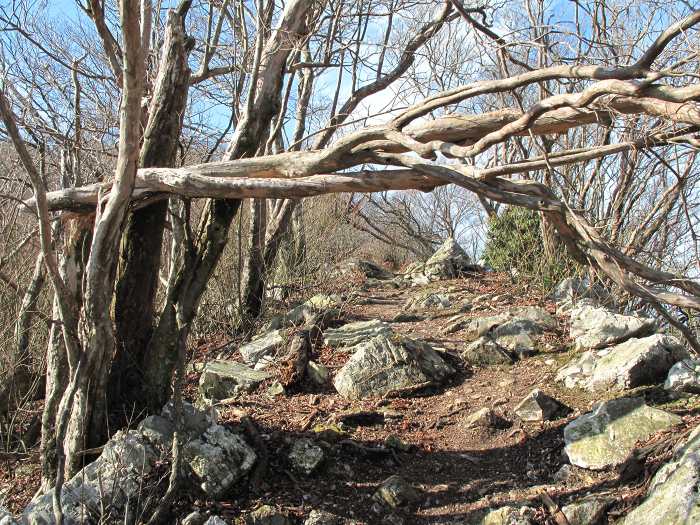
485,351
595,327
352,334
427,300
386,364
223,379
529,320
606,436
673,497
263,345
684,377
512,329
635,362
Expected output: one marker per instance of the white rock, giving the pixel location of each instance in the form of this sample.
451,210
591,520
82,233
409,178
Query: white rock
684,377
594,327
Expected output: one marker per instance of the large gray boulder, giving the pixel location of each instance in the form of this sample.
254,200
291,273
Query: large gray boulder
684,377
448,262
352,334
606,436
385,364
104,487
225,379
595,327
630,364
115,483
673,498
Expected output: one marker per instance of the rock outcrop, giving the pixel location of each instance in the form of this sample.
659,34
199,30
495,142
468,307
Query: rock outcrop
385,364
593,327
630,364
448,262
114,484
606,436
673,497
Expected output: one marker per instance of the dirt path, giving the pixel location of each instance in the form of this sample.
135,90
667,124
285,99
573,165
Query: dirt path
460,470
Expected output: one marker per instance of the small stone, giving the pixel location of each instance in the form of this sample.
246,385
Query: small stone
317,372
275,389
321,517
538,406
267,515
306,456
395,442
587,511
396,492
485,418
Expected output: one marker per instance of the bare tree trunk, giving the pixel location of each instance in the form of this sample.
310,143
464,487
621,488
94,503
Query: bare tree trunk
137,280
201,260
77,233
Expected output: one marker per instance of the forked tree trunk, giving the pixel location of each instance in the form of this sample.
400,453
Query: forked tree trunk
137,276
200,261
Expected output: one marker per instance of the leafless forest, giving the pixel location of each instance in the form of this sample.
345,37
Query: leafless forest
176,173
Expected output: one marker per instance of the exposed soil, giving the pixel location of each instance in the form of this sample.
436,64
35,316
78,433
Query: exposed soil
460,470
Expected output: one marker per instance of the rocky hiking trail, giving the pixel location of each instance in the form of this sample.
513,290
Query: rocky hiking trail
444,395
